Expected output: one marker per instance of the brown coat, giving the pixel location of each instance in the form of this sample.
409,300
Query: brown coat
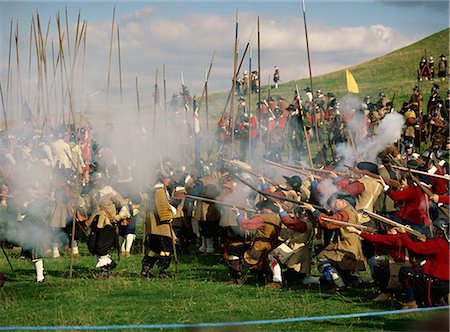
265,241
161,213
345,250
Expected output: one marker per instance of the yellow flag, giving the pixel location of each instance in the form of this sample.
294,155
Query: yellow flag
351,83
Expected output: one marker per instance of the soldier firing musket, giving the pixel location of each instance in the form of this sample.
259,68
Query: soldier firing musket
395,224
392,183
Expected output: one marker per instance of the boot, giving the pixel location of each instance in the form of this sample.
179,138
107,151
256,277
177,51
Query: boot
410,305
128,243
55,251
122,243
39,265
163,265
75,251
383,297
209,245
147,264
235,268
274,285
3,279
203,246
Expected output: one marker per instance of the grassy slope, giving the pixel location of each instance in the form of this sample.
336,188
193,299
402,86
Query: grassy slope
393,73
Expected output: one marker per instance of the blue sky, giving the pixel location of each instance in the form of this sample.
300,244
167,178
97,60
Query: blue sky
183,34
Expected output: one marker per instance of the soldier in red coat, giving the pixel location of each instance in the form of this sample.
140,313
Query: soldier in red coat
414,208
430,283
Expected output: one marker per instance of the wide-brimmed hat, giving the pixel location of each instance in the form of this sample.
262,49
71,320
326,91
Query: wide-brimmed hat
294,181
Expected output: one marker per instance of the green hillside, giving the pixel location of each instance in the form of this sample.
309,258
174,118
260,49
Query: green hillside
393,73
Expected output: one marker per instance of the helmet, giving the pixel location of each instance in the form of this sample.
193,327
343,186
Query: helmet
409,145
382,94
441,224
277,112
427,154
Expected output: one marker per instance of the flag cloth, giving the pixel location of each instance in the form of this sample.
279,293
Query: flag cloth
352,87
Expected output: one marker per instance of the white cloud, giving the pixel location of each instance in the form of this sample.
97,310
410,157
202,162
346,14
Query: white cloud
148,41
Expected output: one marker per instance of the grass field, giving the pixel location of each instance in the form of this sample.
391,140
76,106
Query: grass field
198,294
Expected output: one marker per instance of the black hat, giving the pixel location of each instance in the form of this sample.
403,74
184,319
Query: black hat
416,88
266,204
351,199
368,166
330,95
308,89
294,181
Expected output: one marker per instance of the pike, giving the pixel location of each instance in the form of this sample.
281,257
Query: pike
395,224
390,182
238,70
4,109
232,109
137,99
208,200
308,147
259,94
155,103
110,54
289,168
409,170
346,224
313,111
165,100
120,66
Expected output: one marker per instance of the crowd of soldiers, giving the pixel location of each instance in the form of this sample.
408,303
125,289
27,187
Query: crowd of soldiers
426,69
277,219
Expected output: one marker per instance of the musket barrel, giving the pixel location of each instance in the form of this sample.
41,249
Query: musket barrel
409,170
395,224
345,224
209,200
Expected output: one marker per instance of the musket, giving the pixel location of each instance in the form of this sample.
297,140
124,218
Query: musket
395,224
274,197
390,182
347,224
250,172
289,168
209,200
409,170
319,170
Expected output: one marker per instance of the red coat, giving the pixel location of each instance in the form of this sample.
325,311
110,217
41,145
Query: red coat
387,244
415,207
439,186
353,187
436,251
445,199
